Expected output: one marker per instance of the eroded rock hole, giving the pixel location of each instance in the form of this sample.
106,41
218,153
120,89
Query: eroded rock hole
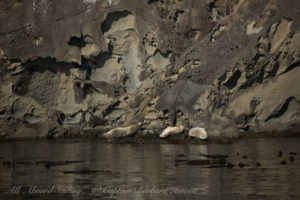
176,15
78,84
231,83
2,112
112,17
77,41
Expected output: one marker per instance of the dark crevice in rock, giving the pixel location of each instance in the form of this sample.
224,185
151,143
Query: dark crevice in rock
273,72
88,89
231,83
176,15
2,112
110,108
102,58
61,118
261,75
249,83
173,116
41,65
152,1
86,67
77,41
110,48
52,132
279,112
246,128
211,6
292,66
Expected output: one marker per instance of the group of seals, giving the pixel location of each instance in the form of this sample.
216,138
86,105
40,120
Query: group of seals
121,132
197,132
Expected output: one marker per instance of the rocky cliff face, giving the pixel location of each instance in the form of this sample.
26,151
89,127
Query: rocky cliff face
82,67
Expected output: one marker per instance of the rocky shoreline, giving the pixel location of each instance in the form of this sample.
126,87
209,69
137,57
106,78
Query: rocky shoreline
140,138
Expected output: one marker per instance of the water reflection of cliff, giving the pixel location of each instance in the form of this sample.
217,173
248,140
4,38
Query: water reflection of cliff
137,170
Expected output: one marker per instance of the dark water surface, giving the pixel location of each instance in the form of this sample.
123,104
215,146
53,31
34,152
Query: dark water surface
149,171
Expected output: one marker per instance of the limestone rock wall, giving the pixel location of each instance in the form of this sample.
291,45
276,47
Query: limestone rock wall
82,67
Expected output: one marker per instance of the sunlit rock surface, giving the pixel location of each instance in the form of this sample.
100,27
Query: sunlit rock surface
84,67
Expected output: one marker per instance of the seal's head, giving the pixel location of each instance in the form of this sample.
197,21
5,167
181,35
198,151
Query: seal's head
203,134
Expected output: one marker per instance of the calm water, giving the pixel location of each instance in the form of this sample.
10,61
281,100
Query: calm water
150,171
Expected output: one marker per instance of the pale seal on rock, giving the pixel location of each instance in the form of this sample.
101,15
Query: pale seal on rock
198,133
171,130
121,132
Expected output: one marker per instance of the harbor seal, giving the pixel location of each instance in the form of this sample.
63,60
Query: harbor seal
121,132
198,133
171,130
